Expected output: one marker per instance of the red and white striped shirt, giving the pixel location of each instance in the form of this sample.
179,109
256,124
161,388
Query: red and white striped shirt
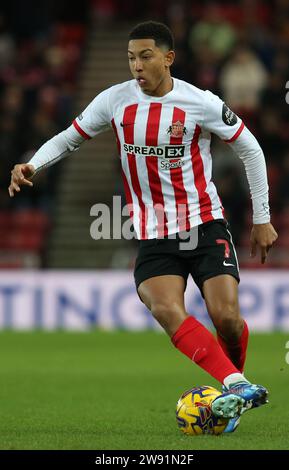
164,147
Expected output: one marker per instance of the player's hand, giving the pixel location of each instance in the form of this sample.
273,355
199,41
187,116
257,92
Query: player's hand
20,175
262,235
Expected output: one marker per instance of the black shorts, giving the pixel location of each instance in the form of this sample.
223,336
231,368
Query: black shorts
214,255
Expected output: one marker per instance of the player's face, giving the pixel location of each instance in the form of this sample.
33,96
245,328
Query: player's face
150,65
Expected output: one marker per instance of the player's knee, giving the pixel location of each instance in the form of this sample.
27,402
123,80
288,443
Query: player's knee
227,320
231,328
168,314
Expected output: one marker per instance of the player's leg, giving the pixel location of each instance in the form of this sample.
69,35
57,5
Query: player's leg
214,266
221,297
216,272
164,297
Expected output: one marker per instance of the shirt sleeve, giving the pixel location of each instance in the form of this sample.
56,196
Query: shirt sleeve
56,148
249,151
219,119
96,117
222,121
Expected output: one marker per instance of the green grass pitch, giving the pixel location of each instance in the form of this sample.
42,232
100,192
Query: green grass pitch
118,390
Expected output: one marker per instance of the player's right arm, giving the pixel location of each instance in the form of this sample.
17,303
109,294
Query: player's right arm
94,120
51,152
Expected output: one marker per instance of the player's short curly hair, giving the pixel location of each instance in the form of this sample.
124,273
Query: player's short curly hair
153,30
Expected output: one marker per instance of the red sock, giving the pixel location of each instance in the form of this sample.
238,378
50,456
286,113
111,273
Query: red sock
236,352
196,342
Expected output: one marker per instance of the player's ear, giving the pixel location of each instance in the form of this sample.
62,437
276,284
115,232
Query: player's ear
169,58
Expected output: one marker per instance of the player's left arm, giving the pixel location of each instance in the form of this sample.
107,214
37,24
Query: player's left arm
263,234
220,120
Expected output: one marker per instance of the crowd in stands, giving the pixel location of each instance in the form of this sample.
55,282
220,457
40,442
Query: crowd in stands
239,50
38,79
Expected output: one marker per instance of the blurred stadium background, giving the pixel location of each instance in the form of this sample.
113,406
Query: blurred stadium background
55,56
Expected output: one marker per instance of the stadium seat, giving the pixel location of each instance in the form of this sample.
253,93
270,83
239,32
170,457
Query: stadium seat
283,219
30,219
6,220
24,230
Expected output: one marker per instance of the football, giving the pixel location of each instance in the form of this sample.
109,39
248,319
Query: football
194,415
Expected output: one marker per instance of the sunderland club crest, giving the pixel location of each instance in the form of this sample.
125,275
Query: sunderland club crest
177,129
